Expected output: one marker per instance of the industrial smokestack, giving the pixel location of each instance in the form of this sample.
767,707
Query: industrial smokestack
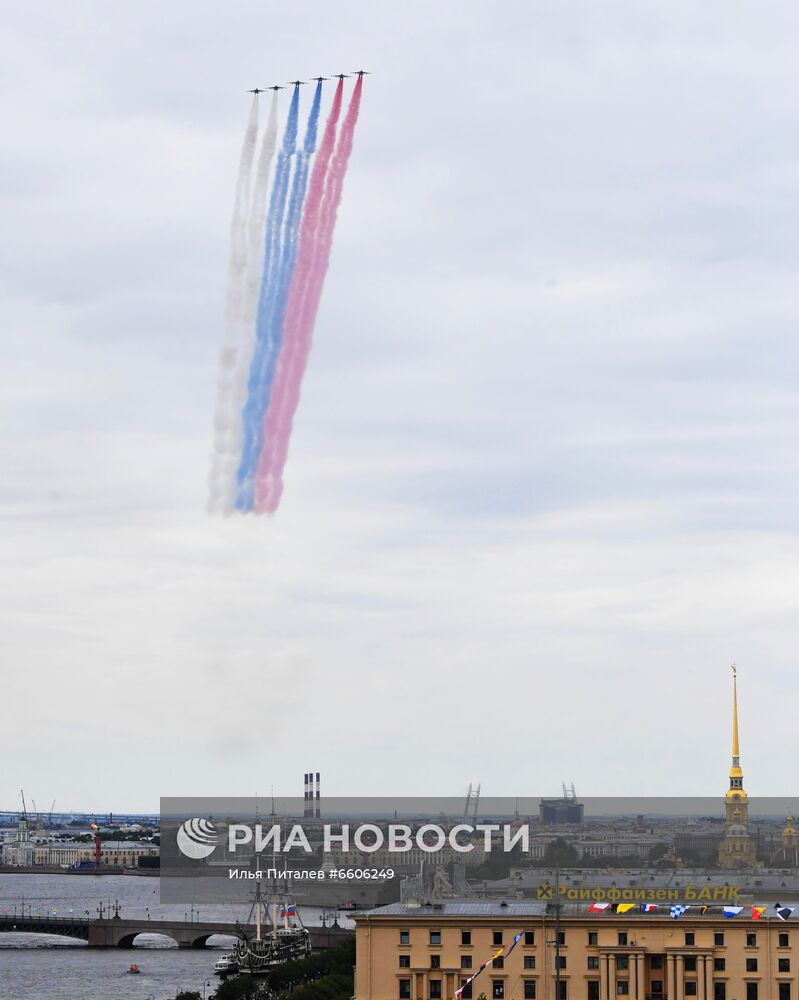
305,778
318,812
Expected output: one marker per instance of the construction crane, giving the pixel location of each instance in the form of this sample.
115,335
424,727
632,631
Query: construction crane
472,801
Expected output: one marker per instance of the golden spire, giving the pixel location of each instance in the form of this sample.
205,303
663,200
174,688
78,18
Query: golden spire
736,790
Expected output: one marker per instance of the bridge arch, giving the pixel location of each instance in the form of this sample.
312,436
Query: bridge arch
129,940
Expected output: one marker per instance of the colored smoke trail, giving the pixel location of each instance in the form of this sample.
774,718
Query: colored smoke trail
271,259
224,414
234,393
269,336
316,243
238,224
257,219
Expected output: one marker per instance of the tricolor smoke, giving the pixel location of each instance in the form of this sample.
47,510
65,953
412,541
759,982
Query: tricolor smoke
316,243
282,253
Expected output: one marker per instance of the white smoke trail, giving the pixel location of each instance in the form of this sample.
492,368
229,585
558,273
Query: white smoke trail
239,234
237,268
256,222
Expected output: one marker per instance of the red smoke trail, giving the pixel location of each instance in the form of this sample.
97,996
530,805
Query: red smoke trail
313,258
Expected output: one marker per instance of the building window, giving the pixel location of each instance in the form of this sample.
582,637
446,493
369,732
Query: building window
785,991
466,937
435,961
783,965
622,962
657,987
497,989
560,961
593,961
529,938
435,937
405,961
783,940
435,989
690,938
622,987
529,961
466,993
690,963
561,937
751,965
529,989
405,989
623,937
593,939
690,987
751,940
405,937
466,961
751,991
499,963
718,939
593,989
719,964
564,990
719,991
656,962
497,937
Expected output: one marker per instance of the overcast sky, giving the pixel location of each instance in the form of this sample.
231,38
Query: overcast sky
542,486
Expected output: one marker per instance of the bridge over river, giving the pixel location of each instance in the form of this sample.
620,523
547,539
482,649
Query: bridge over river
119,932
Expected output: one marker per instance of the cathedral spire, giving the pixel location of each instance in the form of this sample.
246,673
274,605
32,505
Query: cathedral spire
737,848
736,774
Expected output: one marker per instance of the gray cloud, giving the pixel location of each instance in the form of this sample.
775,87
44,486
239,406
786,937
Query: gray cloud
542,485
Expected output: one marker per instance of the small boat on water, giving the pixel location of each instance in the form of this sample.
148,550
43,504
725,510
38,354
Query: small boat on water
134,970
226,965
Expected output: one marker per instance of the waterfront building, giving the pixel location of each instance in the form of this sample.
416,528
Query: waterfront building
68,854
563,811
407,951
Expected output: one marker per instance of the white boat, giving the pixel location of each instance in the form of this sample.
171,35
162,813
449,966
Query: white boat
226,965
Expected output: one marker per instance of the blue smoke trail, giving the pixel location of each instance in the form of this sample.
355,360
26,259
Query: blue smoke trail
251,413
280,255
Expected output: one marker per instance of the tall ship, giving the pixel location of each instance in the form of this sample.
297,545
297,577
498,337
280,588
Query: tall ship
279,936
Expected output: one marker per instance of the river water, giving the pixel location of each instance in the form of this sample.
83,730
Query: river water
42,967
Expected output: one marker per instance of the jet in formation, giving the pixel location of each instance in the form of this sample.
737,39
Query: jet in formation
361,72
297,83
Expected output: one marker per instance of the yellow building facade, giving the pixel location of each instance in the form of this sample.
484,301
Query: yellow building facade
428,952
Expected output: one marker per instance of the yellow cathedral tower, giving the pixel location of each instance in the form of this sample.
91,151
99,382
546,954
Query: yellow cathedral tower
737,849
